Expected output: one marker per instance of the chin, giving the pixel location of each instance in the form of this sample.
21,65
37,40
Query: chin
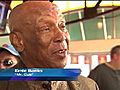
58,65
62,64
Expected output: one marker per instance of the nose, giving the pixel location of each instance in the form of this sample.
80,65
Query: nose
59,36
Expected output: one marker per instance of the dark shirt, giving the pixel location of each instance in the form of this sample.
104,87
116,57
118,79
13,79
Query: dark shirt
106,77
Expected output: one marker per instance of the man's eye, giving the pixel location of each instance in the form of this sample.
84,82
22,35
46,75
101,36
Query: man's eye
63,28
7,62
47,29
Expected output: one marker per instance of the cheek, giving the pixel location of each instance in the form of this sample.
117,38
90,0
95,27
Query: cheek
45,39
29,40
68,36
67,39
119,57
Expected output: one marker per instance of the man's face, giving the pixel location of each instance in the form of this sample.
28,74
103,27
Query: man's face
53,39
116,56
7,60
48,43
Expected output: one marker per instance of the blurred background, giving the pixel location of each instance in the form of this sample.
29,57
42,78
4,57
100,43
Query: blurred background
94,27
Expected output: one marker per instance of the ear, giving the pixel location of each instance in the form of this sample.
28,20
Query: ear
17,41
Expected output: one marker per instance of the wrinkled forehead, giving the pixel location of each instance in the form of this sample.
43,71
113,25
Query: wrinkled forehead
52,12
40,6
28,12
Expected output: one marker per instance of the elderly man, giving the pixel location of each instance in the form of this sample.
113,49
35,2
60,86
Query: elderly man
39,34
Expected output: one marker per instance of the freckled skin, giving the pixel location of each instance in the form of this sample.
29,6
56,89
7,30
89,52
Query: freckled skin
42,33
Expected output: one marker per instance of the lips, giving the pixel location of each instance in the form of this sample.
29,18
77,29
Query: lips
62,53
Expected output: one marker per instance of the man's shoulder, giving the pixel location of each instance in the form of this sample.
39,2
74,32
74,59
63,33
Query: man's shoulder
85,79
99,67
85,83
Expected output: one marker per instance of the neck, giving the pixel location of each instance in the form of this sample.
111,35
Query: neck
115,64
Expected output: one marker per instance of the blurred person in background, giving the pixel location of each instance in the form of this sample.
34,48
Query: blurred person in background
39,34
107,75
9,57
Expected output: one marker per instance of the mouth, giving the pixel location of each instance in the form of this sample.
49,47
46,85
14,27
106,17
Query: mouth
61,53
